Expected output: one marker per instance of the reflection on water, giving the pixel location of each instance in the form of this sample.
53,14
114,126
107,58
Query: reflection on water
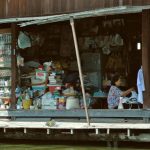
38,146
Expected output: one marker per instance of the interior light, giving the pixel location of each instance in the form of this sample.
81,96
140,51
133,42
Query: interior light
138,46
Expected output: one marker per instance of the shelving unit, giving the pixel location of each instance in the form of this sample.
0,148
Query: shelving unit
5,65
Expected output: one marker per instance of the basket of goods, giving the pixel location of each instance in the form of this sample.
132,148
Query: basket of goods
70,92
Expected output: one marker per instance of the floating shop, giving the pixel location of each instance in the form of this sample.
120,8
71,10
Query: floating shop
57,61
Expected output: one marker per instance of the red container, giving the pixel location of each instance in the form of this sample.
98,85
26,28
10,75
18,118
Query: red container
52,88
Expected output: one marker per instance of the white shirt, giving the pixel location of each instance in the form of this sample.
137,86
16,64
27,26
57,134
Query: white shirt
140,85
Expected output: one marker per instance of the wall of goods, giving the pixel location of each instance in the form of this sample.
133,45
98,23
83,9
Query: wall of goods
5,69
47,66
48,79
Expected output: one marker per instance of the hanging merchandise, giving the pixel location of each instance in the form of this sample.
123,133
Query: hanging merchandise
23,40
106,50
20,61
37,39
118,40
113,43
115,62
99,41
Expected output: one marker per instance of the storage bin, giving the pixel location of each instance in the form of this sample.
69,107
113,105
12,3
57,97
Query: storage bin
72,103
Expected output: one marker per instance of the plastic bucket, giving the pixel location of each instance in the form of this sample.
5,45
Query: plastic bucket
26,104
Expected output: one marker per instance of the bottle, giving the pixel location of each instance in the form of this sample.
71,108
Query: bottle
27,101
19,102
120,106
27,97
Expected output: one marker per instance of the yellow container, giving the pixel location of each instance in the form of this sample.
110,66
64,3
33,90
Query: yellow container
26,104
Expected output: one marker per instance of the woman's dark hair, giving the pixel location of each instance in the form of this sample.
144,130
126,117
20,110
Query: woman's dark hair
114,79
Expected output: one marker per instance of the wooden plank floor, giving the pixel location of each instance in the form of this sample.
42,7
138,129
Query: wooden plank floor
71,125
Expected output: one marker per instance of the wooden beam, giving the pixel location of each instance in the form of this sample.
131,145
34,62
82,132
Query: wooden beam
70,127
13,65
79,67
80,113
146,55
78,15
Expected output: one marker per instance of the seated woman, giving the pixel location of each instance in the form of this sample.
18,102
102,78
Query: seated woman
115,92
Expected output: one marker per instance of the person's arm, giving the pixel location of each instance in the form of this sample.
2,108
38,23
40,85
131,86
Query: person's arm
125,93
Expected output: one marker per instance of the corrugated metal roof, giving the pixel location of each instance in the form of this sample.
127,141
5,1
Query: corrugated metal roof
79,15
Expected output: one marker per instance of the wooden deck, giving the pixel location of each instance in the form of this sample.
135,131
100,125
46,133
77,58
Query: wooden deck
75,131
106,125
72,125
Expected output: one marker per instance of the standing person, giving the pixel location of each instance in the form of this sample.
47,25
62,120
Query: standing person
115,92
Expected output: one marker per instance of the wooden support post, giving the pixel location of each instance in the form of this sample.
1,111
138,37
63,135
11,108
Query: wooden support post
146,55
4,130
97,131
79,67
48,131
25,130
128,132
108,131
13,65
71,131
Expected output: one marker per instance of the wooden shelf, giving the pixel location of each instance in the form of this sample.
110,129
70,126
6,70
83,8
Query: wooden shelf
9,68
7,97
5,86
9,43
5,77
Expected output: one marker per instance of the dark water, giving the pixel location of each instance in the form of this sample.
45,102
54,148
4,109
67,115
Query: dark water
56,147
36,145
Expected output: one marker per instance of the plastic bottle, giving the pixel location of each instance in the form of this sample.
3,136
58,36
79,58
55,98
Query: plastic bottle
26,101
120,106
19,102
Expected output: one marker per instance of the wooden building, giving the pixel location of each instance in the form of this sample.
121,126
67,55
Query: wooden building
16,11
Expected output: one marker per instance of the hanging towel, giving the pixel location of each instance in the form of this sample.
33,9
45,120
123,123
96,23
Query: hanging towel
140,85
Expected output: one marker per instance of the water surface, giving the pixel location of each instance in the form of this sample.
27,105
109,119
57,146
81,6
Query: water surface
41,146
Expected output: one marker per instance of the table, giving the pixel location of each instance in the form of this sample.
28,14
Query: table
100,102
132,105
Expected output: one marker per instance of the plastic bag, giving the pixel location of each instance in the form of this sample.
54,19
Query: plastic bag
23,40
